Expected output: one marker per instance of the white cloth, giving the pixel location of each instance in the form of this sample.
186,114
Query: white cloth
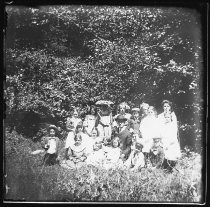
52,146
105,131
168,132
96,157
112,156
149,128
70,139
135,161
90,120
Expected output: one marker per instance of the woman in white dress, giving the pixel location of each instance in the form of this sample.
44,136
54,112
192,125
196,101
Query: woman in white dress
90,121
169,132
149,128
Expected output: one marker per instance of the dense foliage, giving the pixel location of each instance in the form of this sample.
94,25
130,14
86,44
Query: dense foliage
61,56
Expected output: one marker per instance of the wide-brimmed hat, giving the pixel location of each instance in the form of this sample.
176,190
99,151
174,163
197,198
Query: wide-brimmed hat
135,109
121,118
52,127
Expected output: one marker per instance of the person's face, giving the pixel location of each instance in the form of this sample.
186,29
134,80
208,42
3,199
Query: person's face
115,143
135,137
96,147
52,132
145,110
104,107
166,107
168,118
79,129
122,109
151,112
78,140
92,111
94,133
75,114
121,123
136,114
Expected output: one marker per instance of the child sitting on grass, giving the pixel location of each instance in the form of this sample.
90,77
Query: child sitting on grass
51,145
94,138
76,154
136,159
112,154
97,156
156,154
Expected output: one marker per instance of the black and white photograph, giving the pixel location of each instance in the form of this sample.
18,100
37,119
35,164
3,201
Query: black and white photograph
104,104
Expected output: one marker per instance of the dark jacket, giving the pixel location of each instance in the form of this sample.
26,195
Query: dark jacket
125,142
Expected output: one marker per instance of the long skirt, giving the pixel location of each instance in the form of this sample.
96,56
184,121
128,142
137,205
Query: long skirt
105,131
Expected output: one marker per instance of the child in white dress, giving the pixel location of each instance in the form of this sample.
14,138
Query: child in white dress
112,154
51,145
97,156
76,154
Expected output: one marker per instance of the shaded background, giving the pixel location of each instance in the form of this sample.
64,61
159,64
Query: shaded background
60,56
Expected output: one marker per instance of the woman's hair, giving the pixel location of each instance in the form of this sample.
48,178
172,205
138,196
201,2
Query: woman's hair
169,103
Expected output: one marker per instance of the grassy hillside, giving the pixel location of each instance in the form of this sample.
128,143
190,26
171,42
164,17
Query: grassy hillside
27,180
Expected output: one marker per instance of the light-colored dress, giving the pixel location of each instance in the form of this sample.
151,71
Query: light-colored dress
105,124
90,121
96,158
112,156
169,132
149,128
76,153
135,160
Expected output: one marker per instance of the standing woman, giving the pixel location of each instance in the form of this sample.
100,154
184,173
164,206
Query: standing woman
149,129
169,131
73,121
90,121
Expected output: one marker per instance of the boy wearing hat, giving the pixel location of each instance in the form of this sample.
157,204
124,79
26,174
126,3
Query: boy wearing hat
156,154
125,137
51,145
136,160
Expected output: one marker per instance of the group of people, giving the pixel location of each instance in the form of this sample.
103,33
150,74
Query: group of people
133,140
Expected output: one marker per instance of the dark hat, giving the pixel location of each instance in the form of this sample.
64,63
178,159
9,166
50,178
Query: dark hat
138,146
121,118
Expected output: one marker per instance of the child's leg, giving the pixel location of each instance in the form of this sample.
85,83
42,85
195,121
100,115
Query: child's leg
46,159
53,159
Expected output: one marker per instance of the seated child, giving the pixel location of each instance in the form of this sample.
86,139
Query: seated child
112,154
97,156
76,154
92,140
51,145
136,158
156,154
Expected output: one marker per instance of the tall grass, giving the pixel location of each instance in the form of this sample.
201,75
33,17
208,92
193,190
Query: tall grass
29,181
